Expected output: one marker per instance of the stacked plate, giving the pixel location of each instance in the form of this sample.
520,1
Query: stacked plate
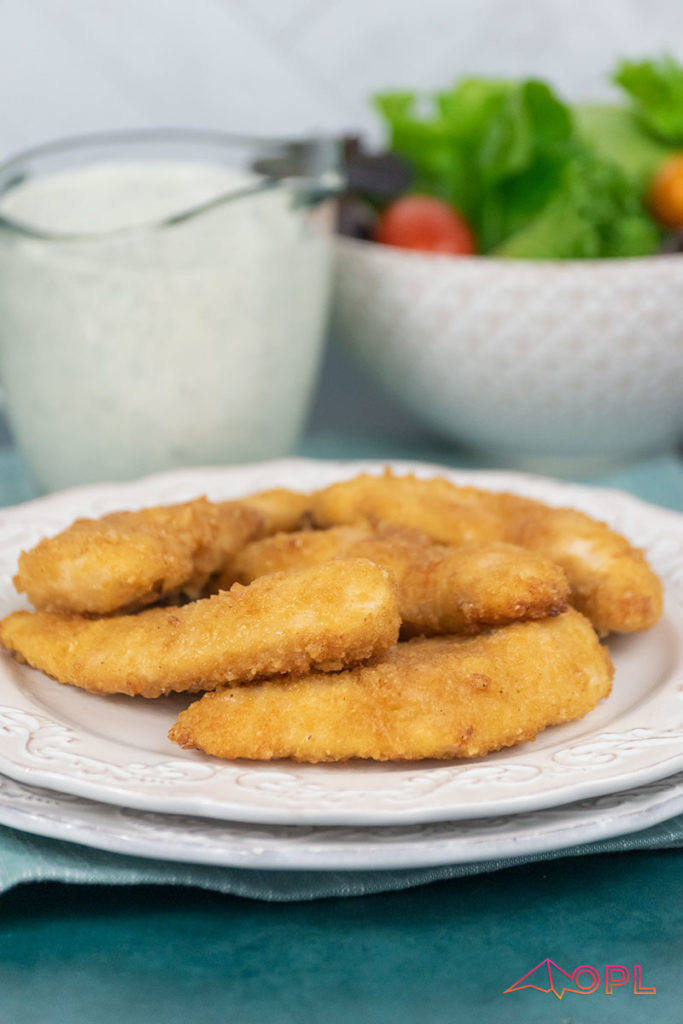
100,770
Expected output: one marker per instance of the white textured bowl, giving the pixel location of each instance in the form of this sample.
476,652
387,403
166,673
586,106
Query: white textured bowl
529,362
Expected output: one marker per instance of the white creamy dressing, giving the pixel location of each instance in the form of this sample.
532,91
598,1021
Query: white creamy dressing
136,347
112,196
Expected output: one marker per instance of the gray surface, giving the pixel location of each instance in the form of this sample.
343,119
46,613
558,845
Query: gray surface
347,401
5,435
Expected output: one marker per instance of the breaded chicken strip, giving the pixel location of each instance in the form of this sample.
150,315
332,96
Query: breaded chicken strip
126,560
447,514
440,589
610,579
281,510
441,698
324,617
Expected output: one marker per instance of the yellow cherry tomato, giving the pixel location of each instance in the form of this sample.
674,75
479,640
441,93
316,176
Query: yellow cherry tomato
666,192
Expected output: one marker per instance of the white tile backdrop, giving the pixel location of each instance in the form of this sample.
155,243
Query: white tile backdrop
288,66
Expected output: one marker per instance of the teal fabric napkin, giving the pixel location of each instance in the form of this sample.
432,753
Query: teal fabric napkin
27,858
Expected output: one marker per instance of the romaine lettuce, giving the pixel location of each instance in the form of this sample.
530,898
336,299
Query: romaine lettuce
656,89
509,157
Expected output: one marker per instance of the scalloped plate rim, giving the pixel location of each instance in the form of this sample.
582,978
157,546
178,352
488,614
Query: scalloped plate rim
64,505
236,845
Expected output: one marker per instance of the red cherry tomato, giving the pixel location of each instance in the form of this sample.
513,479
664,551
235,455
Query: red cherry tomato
421,222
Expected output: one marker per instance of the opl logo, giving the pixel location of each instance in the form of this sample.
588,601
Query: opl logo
549,977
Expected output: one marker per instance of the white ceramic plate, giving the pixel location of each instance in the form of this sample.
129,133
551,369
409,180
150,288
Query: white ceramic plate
371,848
115,749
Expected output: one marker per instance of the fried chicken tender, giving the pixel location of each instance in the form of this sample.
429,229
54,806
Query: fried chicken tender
440,589
446,513
281,510
445,697
126,560
610,580
323,617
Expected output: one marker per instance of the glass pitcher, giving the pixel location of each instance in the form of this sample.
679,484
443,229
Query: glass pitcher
163,299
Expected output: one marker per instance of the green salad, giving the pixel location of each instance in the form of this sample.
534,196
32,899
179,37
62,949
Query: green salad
526,174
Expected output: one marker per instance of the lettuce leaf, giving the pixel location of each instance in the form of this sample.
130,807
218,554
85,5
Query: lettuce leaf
656,90
596,212
510,158
618,136
492,149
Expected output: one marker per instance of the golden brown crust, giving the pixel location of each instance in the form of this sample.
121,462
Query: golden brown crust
127,560
280,509
438,698
447,514
282,551
440,589
326,617
610,579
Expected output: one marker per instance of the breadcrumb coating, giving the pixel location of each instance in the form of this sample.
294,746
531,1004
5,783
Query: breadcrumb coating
323,617
126,560
445,697
610,579
440,589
